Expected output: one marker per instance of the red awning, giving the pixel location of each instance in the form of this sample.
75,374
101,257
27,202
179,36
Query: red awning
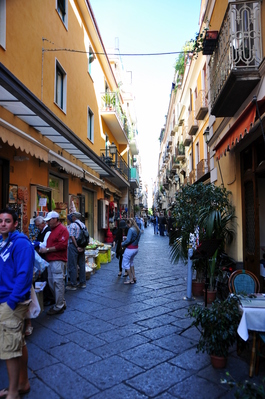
240,128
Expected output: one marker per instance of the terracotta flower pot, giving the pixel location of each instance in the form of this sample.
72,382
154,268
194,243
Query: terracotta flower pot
218,362
197,288
211,296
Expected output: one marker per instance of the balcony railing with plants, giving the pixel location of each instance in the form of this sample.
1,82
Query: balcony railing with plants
239,43
201,105
180,152
110,103
115,161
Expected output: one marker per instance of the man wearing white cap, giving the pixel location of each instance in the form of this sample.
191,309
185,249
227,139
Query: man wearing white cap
56,255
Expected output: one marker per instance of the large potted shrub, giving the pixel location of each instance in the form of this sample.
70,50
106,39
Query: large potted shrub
207,209
218,327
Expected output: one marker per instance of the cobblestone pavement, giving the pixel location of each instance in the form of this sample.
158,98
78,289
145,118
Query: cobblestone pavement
125,341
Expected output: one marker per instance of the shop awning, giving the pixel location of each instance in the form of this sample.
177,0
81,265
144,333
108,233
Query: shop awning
240,128
73,169
21,102
20,140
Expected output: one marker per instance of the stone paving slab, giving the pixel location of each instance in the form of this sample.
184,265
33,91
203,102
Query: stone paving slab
117,341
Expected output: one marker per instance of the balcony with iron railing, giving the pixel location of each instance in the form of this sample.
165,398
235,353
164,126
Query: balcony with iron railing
192,124
114,117
133,141
235,61
201,105
134,178
192,176
115,161
180,152
186,136
203,167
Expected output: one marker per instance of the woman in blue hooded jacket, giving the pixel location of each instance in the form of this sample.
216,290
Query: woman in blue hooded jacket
131,245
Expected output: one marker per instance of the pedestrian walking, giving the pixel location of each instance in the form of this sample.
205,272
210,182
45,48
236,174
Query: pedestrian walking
76,254
16,273
156,223
131,245
162,224
56,255
120,237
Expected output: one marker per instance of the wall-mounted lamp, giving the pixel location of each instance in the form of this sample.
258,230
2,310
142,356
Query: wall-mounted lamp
176,178
112,149
206,134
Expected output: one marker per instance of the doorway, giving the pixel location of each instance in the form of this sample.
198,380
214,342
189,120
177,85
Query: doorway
89,211
253,196
4,182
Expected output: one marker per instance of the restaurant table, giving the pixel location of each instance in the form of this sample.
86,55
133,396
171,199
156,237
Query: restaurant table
253,319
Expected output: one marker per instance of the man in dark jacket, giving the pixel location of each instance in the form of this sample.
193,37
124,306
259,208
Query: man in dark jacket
16,273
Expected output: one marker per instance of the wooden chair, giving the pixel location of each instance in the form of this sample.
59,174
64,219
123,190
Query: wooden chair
243,282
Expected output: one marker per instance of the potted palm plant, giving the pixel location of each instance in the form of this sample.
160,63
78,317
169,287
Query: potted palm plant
218,225
218,327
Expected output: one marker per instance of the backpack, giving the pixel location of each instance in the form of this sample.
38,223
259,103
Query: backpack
83,238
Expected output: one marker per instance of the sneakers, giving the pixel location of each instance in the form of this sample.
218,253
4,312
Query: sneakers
53,311
82,285
71,288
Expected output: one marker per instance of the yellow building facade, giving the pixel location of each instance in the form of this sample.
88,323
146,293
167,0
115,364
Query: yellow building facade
236,99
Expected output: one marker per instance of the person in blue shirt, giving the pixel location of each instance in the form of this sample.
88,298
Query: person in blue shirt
131,250
16,273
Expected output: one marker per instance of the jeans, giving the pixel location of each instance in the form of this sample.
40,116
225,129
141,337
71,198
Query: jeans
155,228
128,258
76,258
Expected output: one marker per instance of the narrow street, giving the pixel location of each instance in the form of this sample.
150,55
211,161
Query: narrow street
119,341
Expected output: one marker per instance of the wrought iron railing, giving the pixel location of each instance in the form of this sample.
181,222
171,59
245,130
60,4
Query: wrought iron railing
200,102
192,176
203,167
192,123
134,175
239,45
115,161
186,136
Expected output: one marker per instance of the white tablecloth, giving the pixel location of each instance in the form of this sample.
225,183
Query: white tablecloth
252,319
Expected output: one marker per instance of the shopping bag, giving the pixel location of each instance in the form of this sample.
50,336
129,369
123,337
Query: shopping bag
34,306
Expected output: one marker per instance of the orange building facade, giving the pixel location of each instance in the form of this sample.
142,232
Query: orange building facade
61,145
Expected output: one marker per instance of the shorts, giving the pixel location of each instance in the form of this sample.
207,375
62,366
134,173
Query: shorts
11,330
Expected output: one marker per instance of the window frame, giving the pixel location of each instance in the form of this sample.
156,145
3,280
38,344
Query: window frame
60,70
90,124
91,58
62,11
3,24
